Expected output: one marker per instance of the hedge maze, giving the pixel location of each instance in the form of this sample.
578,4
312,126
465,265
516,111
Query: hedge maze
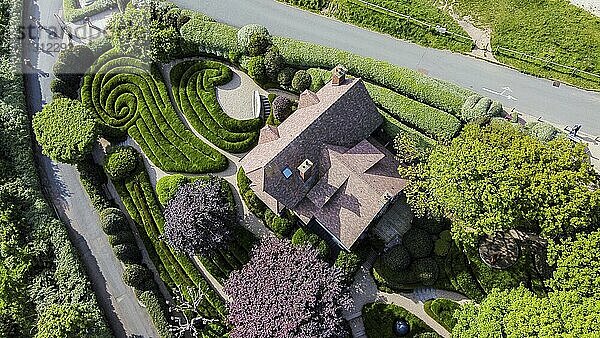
130,96
194,92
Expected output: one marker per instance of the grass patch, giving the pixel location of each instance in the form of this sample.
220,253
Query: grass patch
547,29
379,320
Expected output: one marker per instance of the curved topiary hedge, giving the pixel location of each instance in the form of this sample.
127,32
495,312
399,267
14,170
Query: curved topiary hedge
194,91
129,95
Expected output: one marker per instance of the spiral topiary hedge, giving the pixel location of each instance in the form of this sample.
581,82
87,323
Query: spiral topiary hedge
194,91
130,96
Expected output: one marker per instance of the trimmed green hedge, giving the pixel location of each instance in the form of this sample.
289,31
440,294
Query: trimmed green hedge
304,237
379,321
194,89
72,10
392,127
442,311
428,120
212,37
130,96
156,307
143,206
432,92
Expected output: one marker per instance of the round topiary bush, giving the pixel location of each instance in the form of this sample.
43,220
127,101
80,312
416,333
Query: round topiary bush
137,276
285,76
127,253
397,258
167,186
477,107
256,69
418,242
274,62
282,108
443,244
426,270
113,221
254,39
301,81
121,237
120,162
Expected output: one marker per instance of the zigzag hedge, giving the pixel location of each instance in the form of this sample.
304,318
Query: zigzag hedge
194,91
129,95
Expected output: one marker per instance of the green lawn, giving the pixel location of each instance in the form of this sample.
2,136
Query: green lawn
549,29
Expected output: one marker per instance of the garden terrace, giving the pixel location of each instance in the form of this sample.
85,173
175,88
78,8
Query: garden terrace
141,202
130,96
194,89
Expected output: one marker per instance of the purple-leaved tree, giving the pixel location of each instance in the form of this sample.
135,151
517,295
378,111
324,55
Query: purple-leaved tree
286,291
198,218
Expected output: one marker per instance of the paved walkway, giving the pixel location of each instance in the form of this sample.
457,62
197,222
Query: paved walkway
125,315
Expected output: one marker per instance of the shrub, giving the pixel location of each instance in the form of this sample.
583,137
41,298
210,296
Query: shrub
443,244
70,66
274,63
305,237
155,306
120,162
408,148
113,221
431,121
285,76
256,69
426,270
281,108
282,227
100,46
167,186
442,311
418,242
198,217
194,89
138,276
66,130
397,258
121,237
477,107
301,81
319,78
254,39
60,88
73,12
127,253
543,131
348,263
432,92
309,4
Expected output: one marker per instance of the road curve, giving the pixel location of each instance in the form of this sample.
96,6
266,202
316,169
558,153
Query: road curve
564,105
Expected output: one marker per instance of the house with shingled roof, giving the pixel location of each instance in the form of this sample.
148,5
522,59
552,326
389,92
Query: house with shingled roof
322,163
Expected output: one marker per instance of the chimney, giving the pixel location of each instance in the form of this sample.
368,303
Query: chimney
306,170
338,75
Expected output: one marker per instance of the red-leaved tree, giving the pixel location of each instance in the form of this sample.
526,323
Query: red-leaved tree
286,291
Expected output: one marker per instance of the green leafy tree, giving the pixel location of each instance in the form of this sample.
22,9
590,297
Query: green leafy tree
146,30
63,321
254,39
497,177
66,130
519,313
577,265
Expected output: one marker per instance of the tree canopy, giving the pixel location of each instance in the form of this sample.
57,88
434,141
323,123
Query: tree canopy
146,30
198,217
66,130
496,177
286,291
520,313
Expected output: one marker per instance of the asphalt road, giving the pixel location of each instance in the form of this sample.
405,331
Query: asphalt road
564,105
125,315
